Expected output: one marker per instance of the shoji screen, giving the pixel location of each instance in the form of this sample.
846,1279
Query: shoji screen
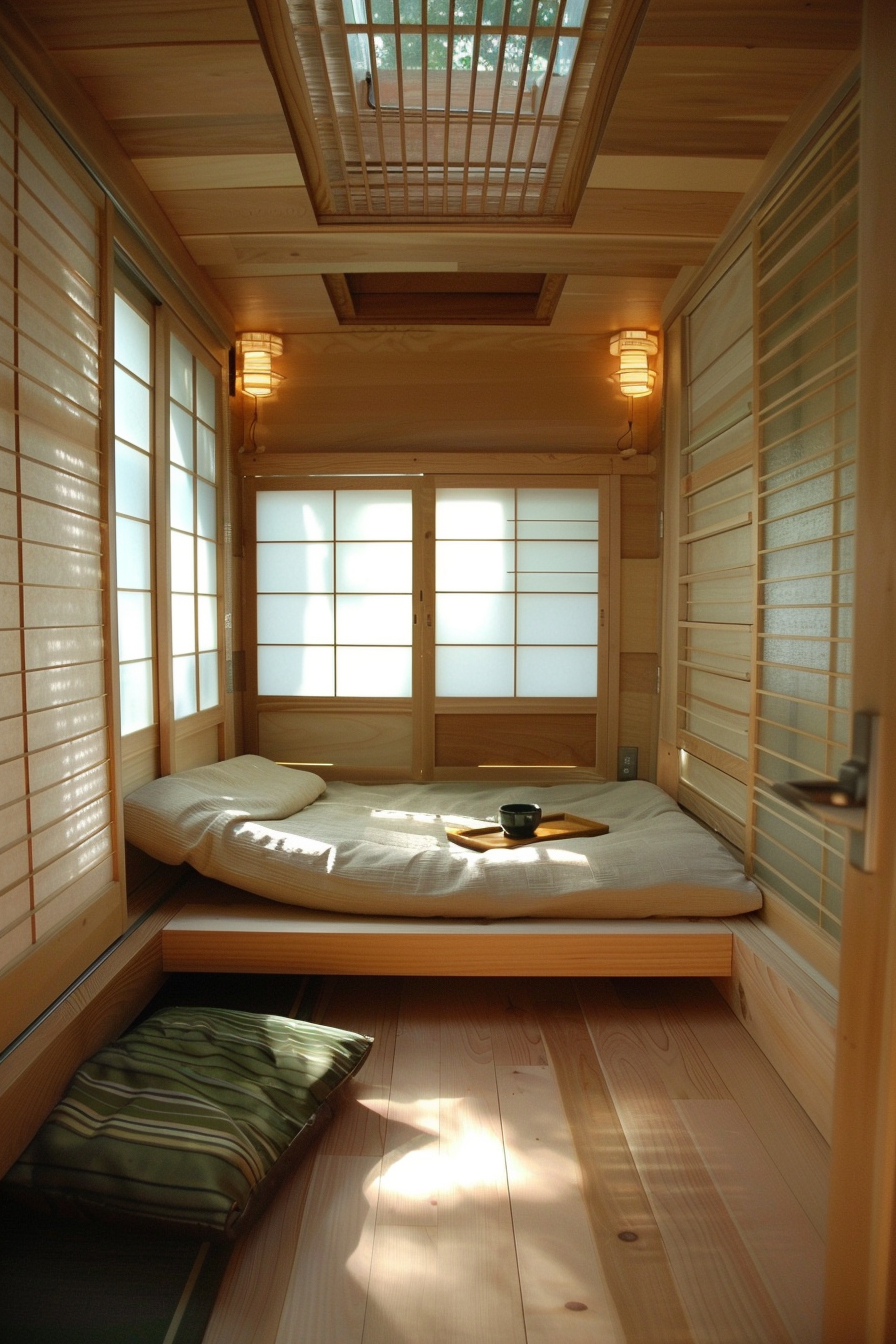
807,386
56,851
716,592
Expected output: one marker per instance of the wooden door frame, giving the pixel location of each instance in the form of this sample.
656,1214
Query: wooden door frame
860,1302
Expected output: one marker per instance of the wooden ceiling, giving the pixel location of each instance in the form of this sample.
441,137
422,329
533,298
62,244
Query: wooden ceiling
689,114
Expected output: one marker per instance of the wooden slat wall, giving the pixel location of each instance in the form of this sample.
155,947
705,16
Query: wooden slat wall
59,894
716,551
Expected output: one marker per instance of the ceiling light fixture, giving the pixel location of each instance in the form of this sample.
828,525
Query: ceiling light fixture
633,348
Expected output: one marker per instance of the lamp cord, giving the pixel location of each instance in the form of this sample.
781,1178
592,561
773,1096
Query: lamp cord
629,433
252,425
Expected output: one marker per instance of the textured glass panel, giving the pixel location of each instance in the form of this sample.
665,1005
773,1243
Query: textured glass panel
373,620
474,670
181,499
474,618
205,395
556,583
184,678
556,620
132,413
474,566
206,566
183,624
132,553
562,529
136,696
295,567
373,567
181,437
373,671
557,557
373,515
181,374
294,515
556,671
551,505
483,514
209,682
131,339
207,623
134,626
301,619
205,451
206,510
294,670
182,569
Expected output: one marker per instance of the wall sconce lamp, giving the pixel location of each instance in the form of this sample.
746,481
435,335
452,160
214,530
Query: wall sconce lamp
633,348
256,350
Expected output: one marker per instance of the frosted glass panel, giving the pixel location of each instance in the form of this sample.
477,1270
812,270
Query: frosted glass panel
181,437
132,553
131,339
135,680
207,566
182,574
302,619
181,377
556,619
181,501
474,566
209,691
556,671
183,624
373,671
474,618
295,567
547,582
486,514
557,504
207,622
131,481
184,678
206,510
205,394
474,671
134,626
368,515
557,557
205,451
373,620
373,567
294,515
295,671
132,418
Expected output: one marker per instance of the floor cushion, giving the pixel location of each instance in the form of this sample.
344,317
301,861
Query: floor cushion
189,1121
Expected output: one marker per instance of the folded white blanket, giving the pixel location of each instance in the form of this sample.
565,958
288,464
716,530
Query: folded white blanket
381,849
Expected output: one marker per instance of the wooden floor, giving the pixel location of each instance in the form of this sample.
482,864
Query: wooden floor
530,1161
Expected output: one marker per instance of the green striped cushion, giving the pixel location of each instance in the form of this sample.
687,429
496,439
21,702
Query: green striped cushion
188,1120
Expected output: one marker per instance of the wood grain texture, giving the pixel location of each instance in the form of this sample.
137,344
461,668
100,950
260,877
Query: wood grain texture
513,739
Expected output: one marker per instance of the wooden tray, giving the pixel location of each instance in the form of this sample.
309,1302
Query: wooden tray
557,826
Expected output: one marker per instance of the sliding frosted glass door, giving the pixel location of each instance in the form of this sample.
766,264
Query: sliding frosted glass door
516,592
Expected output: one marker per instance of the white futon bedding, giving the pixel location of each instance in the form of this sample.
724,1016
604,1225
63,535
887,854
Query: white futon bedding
381,849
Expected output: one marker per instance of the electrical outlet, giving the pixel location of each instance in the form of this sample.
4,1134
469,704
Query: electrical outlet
627,763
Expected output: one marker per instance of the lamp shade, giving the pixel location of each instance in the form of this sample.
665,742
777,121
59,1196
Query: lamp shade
256,349
633,348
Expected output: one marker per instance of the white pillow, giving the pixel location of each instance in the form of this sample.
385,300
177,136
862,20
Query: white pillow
169,816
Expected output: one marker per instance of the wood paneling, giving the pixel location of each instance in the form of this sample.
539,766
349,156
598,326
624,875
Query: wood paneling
340,739
515,739
230,210
639,602
645,211
762,23
99,23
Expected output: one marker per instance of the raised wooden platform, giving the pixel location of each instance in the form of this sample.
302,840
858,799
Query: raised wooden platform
261,936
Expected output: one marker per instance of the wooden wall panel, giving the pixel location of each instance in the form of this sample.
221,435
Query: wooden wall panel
327,741
640,606
513,739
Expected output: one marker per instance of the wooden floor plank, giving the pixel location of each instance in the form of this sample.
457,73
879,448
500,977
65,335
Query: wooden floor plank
788,1135
516,1037
782,1241
723,1293
359,1127
646,1047
404,1299
250,1299
480,1300
623,1225
327,1296
566,1299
